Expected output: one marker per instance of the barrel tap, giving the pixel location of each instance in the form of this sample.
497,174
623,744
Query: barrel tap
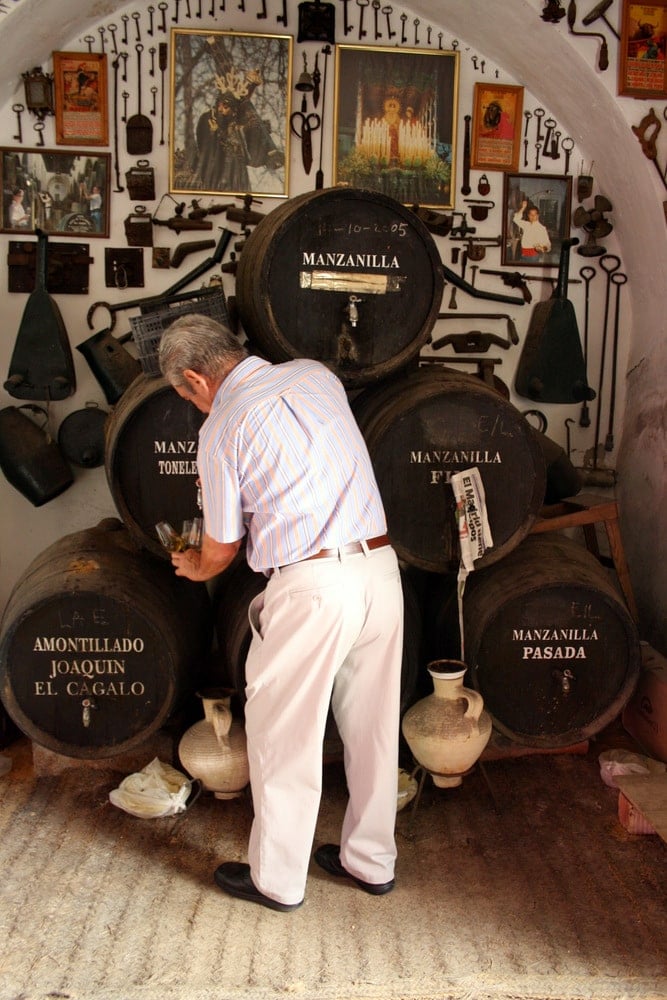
352,311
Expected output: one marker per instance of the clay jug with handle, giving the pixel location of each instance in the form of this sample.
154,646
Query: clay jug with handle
214,749
448,730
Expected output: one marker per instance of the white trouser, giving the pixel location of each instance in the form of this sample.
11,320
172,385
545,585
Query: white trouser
324,630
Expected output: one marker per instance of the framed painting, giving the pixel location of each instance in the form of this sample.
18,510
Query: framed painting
496,127
642,62
395,115
536,218
230,112
62,193
80,98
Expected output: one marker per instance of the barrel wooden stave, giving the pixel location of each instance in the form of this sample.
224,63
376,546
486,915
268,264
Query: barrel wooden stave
423,426
285,319
150,459
94,619
548,608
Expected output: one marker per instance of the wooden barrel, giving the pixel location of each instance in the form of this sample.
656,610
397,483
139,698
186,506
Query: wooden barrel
240,584
549,643
349,277
151,459
99,643
422,427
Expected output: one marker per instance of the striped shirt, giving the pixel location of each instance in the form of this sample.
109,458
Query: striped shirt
282,458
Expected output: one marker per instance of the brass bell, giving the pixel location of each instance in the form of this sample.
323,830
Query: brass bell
305,81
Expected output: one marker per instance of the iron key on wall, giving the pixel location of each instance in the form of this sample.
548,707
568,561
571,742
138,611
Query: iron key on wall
362,4
151,11
387,11
17,109
112,29
376,11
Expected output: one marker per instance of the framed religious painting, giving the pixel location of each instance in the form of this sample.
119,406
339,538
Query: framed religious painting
64,193
80,98
642,62
496,127
230,113
395,116
536,218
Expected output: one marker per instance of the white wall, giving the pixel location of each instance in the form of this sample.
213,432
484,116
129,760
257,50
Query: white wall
559,73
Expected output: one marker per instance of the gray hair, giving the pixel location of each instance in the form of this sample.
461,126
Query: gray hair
200,343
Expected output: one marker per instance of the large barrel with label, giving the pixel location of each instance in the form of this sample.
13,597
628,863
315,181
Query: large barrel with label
99,644
549,642
422,427
349,277
151,458
236,589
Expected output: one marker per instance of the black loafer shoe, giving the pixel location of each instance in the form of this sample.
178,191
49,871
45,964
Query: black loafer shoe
234,878
328,858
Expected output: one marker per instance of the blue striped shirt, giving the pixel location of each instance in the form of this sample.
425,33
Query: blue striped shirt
282,458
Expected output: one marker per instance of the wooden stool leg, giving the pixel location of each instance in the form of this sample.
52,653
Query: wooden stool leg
621,566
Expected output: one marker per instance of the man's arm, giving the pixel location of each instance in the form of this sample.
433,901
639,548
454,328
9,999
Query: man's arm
213,558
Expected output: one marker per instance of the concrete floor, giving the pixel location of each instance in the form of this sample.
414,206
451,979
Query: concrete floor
523,886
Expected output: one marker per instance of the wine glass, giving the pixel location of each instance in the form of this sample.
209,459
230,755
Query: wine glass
169,537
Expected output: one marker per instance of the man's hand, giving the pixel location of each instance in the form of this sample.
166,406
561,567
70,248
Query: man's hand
213,558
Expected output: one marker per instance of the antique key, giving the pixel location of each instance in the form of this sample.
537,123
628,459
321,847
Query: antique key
102,31
151,11
376,10
404,38
152,55
567,150
362,4
112,29
387,11
17,109
162,7
416,23
282,18
135,16
125,19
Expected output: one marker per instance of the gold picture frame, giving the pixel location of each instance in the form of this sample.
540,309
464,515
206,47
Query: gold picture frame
230,112
395,120
81,98
496,127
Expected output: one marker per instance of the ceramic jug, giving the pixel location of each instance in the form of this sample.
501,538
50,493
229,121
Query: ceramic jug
448,730
214,749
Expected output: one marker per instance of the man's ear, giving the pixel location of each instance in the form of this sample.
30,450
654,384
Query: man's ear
195,380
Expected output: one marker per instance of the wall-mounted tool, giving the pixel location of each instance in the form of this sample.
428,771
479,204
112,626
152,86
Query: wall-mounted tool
41,366
647,133
183,250
603,57
514,279
465,187
140,181
587,274
600,11
317,22
139,128
124,267
480,208
551,368
138,228
115,65
67,271
477,293
512,335
319,176
202,268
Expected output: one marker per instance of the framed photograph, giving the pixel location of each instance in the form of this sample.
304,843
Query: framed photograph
80,97
496,127
536,218
395,113
230,112
642,62
63,193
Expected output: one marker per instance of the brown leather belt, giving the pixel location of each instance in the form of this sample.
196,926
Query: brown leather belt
351,548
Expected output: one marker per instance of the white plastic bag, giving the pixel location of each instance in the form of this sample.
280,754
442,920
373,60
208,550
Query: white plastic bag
157,790
618,762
